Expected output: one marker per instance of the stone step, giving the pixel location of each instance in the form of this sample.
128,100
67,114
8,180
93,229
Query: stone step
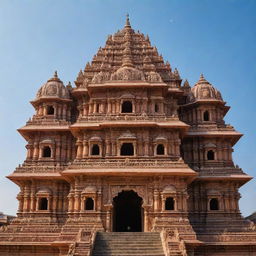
128,243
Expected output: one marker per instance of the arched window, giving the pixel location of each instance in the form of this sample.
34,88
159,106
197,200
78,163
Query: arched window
214,204
127,107
95,150
169,203
47,152
89,204
206,116
127,149
156,108
160,149
210,155
43,203
50,110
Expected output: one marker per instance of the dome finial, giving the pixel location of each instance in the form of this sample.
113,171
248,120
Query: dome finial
127,24
55,74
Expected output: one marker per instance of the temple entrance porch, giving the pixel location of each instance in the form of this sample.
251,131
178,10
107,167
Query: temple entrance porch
127,212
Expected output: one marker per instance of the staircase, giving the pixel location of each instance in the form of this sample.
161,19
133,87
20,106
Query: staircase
128,243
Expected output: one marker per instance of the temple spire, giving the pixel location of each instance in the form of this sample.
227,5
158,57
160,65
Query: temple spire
127,24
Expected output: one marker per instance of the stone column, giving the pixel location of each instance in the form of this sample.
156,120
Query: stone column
36,150
146,147
85,148
57,151
64,114
45,110
79,149
163,202
114,148
59,112
70,202
109,107
21,201
156,200
54,203
108,148
99,198
108,217
77,201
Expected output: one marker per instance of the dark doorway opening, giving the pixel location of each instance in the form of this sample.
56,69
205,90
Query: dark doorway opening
127,216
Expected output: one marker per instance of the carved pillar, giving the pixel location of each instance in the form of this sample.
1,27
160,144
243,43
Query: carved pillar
156,200
70,202
109,109
79,149
29,148
59,111
36,150
146,147
85,148
20,197
44,110
58,151
118,106
114,148
146,224
99,199
108,148
108,217
54,203
33,198
163,202
64,114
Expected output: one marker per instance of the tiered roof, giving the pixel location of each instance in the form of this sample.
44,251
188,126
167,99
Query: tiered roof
127,56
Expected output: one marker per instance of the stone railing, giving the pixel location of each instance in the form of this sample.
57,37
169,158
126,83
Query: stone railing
125,117
181,242
164,238
127,162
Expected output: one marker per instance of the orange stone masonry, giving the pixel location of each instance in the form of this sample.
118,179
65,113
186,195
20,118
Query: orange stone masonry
130,148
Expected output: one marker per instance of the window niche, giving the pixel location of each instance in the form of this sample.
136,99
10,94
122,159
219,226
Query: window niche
95,151
160,150
206,116
214,204
50,110
169,204
210,155
43,204
127,149
47,152
89,204
127,107
156,108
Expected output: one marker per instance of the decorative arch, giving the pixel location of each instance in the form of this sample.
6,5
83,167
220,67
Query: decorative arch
118,189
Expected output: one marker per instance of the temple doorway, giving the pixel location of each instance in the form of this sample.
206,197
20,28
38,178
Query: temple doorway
127,215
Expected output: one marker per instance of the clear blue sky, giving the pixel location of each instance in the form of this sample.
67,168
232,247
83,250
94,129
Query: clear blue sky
217,38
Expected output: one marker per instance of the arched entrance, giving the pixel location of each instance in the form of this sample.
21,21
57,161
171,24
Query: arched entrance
127,215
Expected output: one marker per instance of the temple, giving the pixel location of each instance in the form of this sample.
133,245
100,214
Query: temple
129,161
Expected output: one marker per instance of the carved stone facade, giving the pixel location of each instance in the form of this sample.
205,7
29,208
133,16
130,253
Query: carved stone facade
129,128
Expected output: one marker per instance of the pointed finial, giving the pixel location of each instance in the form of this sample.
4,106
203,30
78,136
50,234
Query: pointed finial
55,74
186,84
127,24
201,76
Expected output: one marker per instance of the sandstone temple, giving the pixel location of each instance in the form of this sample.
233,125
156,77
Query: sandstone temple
129,161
